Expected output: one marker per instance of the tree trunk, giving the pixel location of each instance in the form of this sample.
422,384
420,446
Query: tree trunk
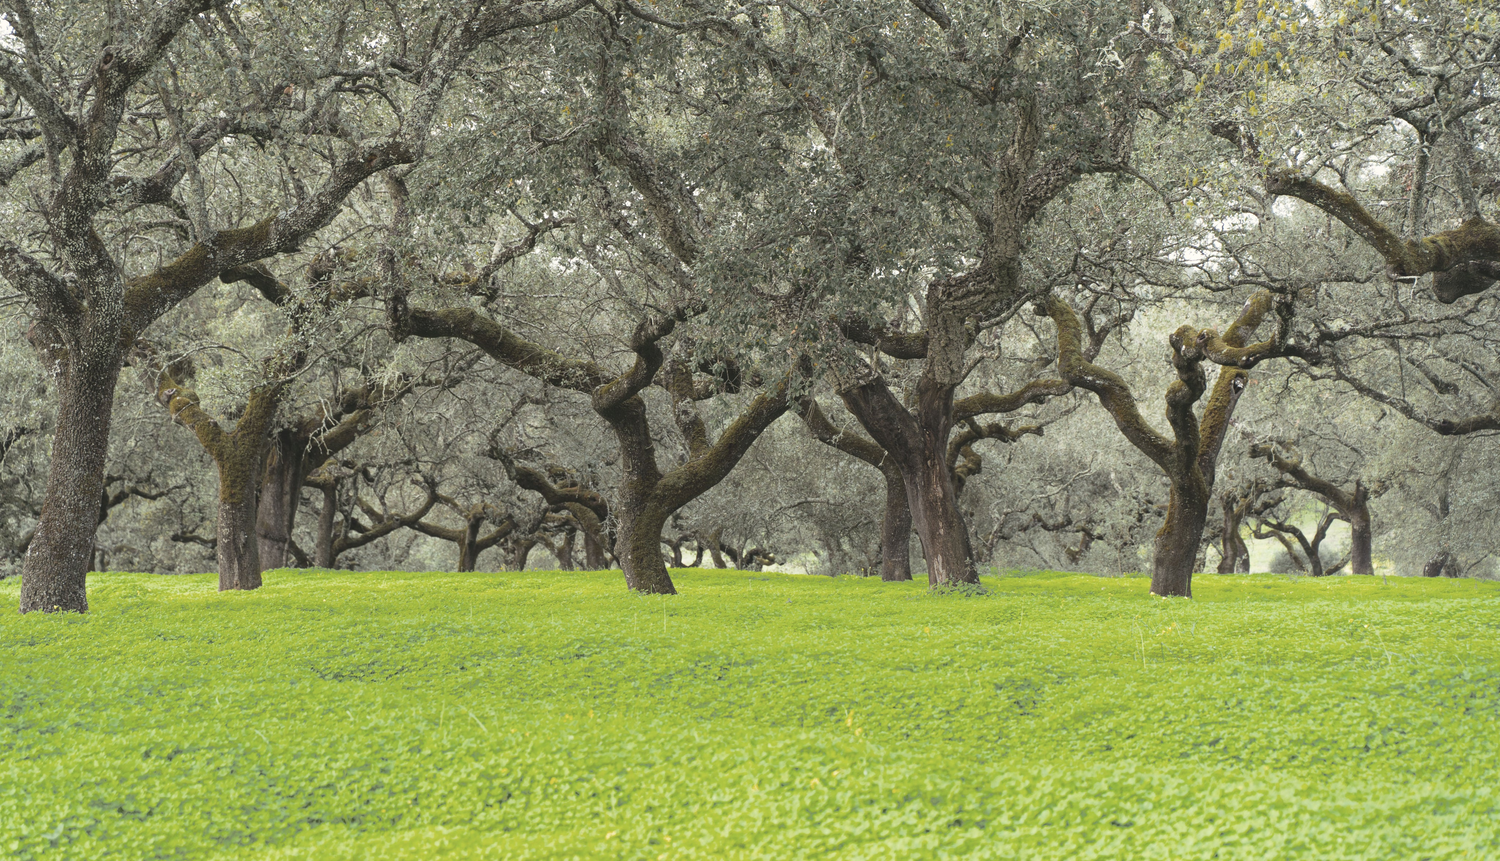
594,558
324,551
239,459
716,550
280,494
1360,561
895,528
939,523
239,556
1442,565
1234,555
920,446
638,541
676,551
55,572
565,550
468,546
639,548
522,553
1177,541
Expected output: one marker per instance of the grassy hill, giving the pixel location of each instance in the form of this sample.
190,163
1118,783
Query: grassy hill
393,715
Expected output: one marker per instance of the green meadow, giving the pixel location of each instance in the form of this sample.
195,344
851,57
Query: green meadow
336,715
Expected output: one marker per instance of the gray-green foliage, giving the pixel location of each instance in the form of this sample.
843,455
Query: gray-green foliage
836,158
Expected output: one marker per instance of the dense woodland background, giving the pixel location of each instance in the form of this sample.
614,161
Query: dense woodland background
487,285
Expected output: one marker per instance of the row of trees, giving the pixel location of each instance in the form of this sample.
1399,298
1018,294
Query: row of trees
520,274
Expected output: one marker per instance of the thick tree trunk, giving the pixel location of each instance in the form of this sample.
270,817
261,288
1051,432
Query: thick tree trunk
468,546
280,493
638,541
594,557
1177,541
239,556
565,550
638,548
920,446
1360,561
55,572
239,460
939,523
895,528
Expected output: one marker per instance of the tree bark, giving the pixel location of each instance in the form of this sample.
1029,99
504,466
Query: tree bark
895,528
1444,564
521,553
323,553
919,445
239,555
1234,555
715,547
54,575
638,538
468,545
1176,545
594,557
280,494
1360,544
565,550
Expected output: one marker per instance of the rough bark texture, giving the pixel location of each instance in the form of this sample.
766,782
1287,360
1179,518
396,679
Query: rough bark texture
1176,545
895,528
239,555
919,445
54,575
280,493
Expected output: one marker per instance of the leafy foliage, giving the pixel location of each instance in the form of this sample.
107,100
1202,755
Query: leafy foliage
332,715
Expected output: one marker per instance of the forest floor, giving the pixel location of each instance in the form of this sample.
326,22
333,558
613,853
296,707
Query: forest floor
539,715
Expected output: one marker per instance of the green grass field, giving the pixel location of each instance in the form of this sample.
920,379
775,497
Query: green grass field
555,715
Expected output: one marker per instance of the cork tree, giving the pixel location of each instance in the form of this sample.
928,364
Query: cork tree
1189,457
97,176
931,141
1349,503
